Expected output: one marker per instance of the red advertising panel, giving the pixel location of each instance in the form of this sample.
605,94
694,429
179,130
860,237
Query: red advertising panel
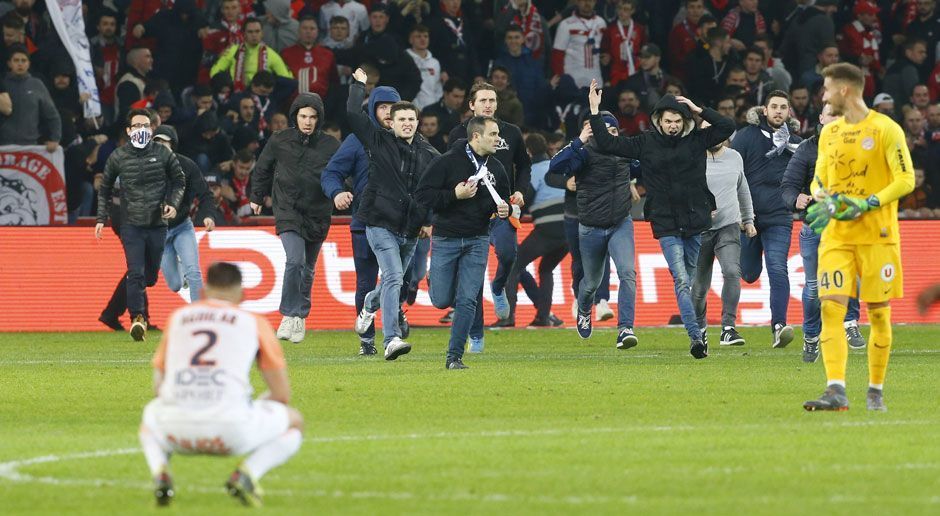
59,279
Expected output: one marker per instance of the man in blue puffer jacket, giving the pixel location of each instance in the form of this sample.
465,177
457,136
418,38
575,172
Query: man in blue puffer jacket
351,161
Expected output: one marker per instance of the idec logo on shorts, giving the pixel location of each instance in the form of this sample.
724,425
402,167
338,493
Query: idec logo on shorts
32,187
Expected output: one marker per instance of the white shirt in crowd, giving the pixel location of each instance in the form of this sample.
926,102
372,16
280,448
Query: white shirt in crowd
431,88
580,39
351,10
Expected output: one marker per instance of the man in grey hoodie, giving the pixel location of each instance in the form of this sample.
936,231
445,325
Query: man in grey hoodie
725,175
280,29
34,114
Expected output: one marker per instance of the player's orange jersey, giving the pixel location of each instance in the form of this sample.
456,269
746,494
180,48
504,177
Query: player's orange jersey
864,159
206,354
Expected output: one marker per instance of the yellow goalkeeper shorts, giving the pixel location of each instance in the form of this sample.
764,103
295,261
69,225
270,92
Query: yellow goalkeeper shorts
877,266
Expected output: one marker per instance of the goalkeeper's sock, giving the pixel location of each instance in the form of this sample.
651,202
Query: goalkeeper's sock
879,345
832,340
157,457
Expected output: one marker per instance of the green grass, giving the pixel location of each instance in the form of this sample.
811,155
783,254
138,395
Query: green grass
542,423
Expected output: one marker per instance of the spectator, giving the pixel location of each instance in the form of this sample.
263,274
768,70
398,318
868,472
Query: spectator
725,107
903,75
827,56
509,106
355,14
532,25
685,35
314,65
34,118
744,23
65,97
650,82
80,163
138,13
809,30
451,106
152,190
453,45
918,204
802,110
630,118
236,175
774,66
208,145
577,48
884,104
178,47
622,43
431,87
244,59
759,83
242,113
860,42
926,27
914,130
708,66
430,128
920,99
737,77
528,76
933,119
221,35
131,85
14,33
107,54
280,29
338,35
289,172
220,205
378,45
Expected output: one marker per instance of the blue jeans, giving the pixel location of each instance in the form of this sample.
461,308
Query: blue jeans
577,269
809,251
458,266
773,243
298,273
181,243
393,253
682,256
419,263
143,249
598,245
505,243
367,274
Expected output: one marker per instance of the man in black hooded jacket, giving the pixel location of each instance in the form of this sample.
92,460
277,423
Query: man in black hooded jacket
678,205
289,170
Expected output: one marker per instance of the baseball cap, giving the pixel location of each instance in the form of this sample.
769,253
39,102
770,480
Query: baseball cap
166,133
865,7
650,49
212,179
882,98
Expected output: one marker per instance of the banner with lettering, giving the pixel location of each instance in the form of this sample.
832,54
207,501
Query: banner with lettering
32,186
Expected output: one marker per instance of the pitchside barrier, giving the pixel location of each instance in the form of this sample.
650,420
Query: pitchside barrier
60,278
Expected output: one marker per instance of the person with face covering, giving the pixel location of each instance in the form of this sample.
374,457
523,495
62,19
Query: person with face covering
392,217
678,205
766,144
289,170
152,184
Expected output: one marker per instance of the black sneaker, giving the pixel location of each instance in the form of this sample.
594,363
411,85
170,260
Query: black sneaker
584,324
705,337
810,349
854,336
403,325
242,487
504,323
833,399
455,364
163,492
114,324
731,337
412,296
540,322
556,322
367,349
448,317
626,339
875,400
698,349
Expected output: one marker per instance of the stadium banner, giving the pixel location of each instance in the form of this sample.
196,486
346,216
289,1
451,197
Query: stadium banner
32,186
67,18
60,278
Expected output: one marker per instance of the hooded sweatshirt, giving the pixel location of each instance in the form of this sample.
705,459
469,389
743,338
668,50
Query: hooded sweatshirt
351,160
289,170
283,33
678,201
34,114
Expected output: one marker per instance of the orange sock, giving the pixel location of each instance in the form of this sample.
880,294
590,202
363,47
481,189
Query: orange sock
832,340
879,345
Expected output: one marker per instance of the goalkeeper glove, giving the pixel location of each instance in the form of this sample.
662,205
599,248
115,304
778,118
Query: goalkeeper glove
819,214
851,208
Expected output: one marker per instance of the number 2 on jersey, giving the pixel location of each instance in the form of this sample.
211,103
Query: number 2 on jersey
197,359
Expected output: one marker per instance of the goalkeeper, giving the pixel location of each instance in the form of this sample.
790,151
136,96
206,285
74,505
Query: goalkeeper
863,168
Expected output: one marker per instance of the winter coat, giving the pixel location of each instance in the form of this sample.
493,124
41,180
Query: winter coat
196,188
528,79
603,194
289,170
34,115
284,33
678,202
799,174
150,178
395,168
764,174
510,152
351,160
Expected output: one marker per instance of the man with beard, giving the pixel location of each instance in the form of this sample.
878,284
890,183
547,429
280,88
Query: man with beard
766,146
289,171
678,203
630,118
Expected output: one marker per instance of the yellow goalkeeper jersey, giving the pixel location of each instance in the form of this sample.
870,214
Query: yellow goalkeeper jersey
860,160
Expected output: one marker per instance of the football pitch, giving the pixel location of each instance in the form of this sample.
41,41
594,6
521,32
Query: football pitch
541,423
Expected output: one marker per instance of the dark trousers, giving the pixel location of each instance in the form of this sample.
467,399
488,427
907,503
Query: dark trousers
367,273
504,241
551,246
143,251
577,269
298,273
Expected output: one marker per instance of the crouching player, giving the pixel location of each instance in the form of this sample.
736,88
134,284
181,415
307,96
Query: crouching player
203,399
863,168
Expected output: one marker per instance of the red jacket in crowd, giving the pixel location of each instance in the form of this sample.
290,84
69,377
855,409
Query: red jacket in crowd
858,41
683,38
314,68
622,43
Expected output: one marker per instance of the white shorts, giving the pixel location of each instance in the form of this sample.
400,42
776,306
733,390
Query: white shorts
234,432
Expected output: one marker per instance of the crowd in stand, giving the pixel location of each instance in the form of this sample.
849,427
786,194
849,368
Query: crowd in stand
224,72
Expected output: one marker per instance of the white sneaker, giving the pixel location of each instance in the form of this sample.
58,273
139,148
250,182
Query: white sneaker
286,328
364,320
396,348
603,311
298,330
